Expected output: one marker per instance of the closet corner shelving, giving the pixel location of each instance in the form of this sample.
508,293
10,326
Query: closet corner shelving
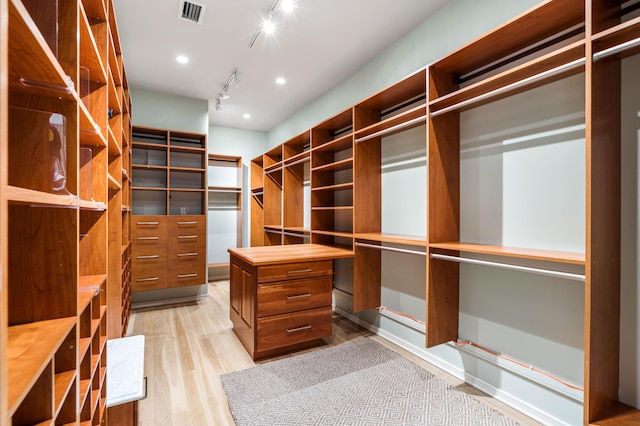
224,175
61,187
552,41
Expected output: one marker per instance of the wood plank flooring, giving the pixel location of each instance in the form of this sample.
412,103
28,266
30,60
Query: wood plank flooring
188,346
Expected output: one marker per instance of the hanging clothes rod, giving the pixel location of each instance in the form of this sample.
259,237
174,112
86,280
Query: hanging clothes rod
297,162
384,248
616,49
392,129
547,272
293,234
524,82
273,231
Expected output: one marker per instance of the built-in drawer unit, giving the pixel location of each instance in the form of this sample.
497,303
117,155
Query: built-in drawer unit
280,296
168,251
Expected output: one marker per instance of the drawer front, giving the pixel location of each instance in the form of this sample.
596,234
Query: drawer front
290,296
289,329
181,275
151,258
187,225
148,226
186,251
288,271
148,278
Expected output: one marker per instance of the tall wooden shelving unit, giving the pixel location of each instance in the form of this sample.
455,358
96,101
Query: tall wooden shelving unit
61,132
555,40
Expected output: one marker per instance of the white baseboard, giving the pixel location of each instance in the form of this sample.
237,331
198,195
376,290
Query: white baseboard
169,301
500,395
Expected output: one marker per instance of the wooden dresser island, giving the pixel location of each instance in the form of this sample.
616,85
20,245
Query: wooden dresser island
281,296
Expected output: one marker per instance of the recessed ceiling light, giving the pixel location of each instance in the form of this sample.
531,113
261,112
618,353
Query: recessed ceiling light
268,26
280,81
182,59
288,6
246,116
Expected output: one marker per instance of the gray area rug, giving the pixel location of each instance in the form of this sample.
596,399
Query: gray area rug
355,383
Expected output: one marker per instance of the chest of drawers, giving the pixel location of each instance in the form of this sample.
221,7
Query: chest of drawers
281,296
168,251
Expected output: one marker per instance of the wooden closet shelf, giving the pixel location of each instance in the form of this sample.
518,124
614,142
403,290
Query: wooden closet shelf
515,252
92,205
113,183
114,147
30,347
89,54
335,166
61,387
339,144
95,9
539,71
28,196
91,281
401,122
392,238
40,67
90,133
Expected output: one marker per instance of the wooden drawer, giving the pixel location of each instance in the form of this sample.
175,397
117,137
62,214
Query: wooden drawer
148,226
289,329
290,296
149,258
181,275
148,278
187,225
187,250
288,271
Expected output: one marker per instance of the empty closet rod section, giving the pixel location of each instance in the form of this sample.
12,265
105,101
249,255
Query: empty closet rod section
293,234
271,231
385,248
392,129
521,83
302,160
539,271
616,49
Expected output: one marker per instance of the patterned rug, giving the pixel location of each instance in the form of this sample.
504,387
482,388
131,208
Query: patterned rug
356,383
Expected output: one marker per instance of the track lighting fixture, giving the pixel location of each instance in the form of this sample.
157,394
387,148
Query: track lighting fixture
268,24
232,80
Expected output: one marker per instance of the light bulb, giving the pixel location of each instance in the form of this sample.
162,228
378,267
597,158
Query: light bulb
182,59
288,6
268,26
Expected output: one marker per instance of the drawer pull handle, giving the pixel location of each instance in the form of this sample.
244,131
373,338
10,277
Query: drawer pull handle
299,271
153,256
183,237
187,275
147,223
293,330
298,296
187,223
147,238
187,254
147,279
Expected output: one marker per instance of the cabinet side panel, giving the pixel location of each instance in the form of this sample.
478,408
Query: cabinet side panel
602,309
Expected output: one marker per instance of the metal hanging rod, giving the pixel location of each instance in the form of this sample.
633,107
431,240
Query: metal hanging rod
539,271
524,82
391,129
616,49
385,248
302,160
293,234
273,231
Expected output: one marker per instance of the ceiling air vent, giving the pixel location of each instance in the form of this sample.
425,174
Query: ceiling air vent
191,11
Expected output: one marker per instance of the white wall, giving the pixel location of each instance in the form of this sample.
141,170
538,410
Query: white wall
165,111
630,296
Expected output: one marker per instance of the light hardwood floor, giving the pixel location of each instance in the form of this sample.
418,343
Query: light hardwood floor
188,346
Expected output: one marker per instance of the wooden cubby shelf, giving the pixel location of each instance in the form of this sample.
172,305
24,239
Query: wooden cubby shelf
62,285
392,238
30,350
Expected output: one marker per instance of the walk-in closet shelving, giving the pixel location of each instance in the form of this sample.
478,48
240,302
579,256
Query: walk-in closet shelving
272,196
257,202
224,211
332,181
296,177
59,152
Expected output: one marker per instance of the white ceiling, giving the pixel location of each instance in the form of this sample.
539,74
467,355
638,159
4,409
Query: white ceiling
318,46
